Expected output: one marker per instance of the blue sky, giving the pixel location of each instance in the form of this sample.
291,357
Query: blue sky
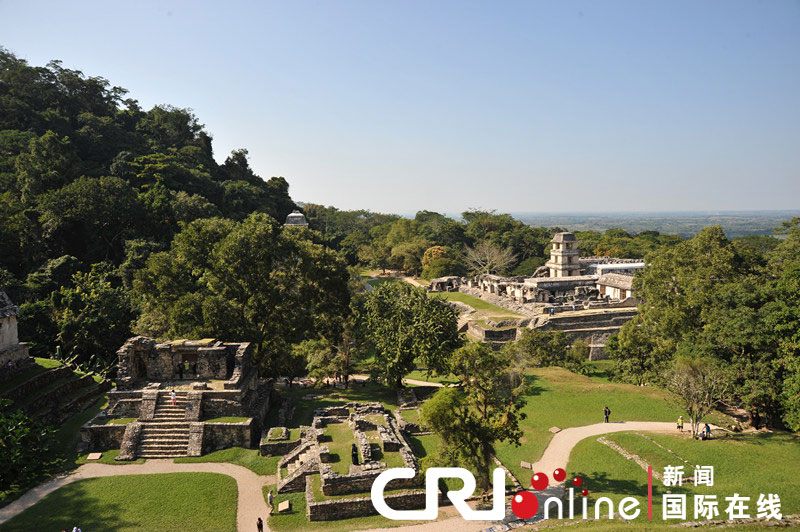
514,106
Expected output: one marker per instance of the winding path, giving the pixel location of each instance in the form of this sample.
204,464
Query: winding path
250,507
251,504
557,453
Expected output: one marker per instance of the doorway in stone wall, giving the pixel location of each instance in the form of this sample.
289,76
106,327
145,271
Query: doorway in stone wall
190,366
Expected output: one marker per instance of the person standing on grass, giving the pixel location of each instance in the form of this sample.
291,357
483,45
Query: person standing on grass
606,413
172,396
707,431
680,423
260,523
270,498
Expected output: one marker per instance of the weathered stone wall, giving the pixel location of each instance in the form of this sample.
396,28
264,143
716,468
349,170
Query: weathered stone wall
492,335
130,441
222,404
8,331
223,435
358,506
360,482
37,383
17,353
102,437
126,408
54,398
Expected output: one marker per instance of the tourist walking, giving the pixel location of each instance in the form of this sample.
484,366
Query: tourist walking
606,413
270,498
707,431
680,423
172,396
260,523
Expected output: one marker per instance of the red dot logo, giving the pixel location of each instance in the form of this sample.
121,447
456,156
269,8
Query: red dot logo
524,505
585,493
577,481
559,475
539,481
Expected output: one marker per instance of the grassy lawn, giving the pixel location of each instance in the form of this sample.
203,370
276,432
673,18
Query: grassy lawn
488,309
340,443
564,399
422,375
227,420
161,502
412,416
41,365
748,464
115,421
107,458
380,280
249,458
378,419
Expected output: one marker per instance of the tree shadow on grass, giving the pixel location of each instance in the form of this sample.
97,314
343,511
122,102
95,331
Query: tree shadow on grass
532,389
67,507
602,482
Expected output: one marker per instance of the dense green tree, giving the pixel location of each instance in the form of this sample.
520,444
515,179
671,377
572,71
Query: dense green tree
540,348
253,281
405,326
25,449
93,316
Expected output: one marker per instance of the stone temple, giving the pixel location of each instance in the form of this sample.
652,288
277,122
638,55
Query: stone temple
219,400
13,354
588,297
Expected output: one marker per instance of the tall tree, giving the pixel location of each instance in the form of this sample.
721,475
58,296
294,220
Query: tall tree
485,410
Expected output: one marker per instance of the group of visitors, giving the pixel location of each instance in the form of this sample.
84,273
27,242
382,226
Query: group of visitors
189,369
705,434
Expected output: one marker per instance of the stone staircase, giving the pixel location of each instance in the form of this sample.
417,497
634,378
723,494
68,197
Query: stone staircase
299,463
167,434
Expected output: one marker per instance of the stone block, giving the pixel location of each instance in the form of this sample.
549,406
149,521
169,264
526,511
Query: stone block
555,430
525,465
284,506
94,456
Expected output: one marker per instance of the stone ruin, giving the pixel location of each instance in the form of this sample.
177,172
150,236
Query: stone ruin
309,456
13,354
211,379
566,284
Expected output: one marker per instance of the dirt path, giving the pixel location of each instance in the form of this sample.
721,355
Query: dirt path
557,453
250,507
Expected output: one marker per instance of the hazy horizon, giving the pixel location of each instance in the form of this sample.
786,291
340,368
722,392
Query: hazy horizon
446,106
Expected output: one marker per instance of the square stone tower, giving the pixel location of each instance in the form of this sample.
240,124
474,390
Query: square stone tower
564,256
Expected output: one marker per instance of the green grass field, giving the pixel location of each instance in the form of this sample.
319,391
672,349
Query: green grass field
564,399
558,397
163,502
488,310
340,441
228,419
748,464
249,458
107,458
